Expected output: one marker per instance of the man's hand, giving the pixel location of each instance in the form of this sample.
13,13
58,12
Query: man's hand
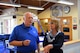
26,42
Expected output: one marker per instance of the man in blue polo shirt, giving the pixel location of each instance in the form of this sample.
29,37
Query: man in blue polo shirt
25,36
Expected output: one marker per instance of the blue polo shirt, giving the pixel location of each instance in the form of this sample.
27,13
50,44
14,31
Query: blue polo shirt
21,33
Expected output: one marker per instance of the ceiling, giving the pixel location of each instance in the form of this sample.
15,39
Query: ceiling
25,3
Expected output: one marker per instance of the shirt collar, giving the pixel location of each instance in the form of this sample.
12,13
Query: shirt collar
25,26
55,34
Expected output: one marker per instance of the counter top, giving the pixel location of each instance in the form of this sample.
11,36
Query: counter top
71,42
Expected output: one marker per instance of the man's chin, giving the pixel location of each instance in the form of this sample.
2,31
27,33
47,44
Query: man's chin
30,24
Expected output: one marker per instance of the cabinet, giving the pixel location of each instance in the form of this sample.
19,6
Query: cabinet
66,26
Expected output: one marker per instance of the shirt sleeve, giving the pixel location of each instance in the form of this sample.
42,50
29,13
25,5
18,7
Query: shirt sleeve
13,35
59,41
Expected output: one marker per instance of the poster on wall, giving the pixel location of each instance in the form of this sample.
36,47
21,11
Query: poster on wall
74,20
75,26
74,23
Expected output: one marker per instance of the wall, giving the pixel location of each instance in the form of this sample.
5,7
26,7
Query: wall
73,12
45,14
78,18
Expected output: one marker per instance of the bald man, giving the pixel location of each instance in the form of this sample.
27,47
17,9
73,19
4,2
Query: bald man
25,36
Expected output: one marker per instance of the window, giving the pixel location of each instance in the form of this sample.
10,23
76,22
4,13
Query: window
7,25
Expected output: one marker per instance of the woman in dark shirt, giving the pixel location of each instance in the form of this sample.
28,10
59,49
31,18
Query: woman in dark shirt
54,39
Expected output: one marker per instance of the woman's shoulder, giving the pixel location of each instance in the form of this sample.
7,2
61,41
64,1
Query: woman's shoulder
61,34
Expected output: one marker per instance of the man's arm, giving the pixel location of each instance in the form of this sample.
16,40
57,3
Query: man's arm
20,43
16,43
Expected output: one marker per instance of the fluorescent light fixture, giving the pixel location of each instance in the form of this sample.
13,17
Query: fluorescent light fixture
65,2
61,2
37,8
9,4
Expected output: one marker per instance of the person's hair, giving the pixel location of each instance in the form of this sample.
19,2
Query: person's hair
26,14
56,22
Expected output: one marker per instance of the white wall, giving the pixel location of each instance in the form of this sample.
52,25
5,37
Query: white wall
78,3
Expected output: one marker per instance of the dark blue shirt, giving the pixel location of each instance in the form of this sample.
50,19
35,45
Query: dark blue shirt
21,33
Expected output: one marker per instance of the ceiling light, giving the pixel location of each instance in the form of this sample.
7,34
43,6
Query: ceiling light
61,1
65,2
9,4
37,8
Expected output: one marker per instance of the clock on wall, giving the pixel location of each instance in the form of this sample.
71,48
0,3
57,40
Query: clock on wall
66,9
56,11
